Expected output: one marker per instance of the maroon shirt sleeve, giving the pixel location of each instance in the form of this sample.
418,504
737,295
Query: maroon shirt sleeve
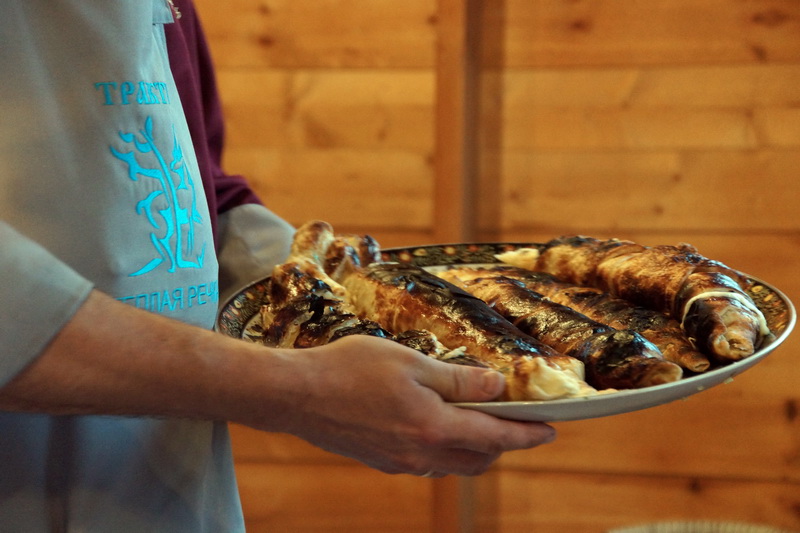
193,70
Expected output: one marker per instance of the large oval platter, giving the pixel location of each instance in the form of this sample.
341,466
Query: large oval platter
239,318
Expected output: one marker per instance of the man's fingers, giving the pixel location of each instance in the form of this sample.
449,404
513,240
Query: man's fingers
466,429
481,441
457,383
485,433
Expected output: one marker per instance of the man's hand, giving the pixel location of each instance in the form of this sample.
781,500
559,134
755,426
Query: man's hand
371,399
387,406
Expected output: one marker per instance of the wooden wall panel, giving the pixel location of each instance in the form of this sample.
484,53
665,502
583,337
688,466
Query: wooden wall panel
742,437
704,435
336,96
659,32
254,446
691,87
335,132
669,114
322,33
590,191
547,502
711,147
287,484
368,190
329,498
661,121
329,108
329,114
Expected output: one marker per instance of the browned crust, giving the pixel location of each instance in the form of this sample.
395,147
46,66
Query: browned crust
618,359
660,329
655,277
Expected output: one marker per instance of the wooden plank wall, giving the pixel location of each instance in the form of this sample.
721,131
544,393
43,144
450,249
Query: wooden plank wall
333,98
662,121
329,108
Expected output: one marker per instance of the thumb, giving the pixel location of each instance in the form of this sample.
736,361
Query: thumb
457,383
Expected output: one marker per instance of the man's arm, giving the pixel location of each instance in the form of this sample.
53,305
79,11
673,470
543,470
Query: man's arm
366,398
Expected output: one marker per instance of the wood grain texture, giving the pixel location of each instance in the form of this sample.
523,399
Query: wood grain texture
660,32
331,498
663,122
322,33
594,503
716,191
329,108
369,189
457,99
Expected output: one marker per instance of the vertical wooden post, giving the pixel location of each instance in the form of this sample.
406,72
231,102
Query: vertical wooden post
456,163
465,505
464,201
453,190
489,142
469,91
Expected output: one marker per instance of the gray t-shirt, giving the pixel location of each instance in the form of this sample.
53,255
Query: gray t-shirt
100,188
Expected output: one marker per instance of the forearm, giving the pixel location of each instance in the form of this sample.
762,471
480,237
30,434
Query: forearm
114,359
364,397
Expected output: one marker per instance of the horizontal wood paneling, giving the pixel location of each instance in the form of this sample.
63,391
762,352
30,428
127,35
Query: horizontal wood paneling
331,498
368,189
329,114
742,438
689,191
661,121
329,108
287,484
659,32
322,33
691,86
383,33
547,502
336,133
252,446
635,129
703,436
